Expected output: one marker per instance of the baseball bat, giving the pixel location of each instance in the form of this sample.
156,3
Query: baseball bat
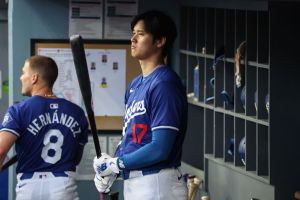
85,85
9,163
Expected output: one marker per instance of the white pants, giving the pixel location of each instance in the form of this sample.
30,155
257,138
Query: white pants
45,186
168,184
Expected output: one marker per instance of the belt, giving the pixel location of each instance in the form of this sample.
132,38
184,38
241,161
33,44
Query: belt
40,175
138,173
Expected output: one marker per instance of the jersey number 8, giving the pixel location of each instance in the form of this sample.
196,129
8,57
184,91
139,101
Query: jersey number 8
52,150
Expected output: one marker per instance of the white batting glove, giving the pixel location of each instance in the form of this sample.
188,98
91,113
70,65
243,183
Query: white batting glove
106,165
103,184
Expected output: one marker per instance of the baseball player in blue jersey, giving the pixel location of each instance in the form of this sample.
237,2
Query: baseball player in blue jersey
149,155
49,134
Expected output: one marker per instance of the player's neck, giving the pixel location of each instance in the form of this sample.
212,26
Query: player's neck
148,66
45,92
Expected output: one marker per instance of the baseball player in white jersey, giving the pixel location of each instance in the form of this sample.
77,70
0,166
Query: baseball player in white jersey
49,134
149,155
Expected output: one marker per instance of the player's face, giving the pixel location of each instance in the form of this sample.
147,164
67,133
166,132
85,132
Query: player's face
142,46
26,80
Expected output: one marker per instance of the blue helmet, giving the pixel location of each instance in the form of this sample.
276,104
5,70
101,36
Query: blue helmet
230,150
212,82
255,100
267,102
218,56
227,99
243,97
242,150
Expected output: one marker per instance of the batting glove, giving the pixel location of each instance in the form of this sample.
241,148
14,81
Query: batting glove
103,184
106,165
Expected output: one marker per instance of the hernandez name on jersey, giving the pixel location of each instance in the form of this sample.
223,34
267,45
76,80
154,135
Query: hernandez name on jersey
149,108
50,129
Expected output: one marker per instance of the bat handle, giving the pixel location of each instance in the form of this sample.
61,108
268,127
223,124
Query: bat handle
9,163
113,196
101,196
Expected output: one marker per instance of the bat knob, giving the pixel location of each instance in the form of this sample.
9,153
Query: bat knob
205,198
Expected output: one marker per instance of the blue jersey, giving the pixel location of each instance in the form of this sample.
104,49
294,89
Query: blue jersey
157,102
50,132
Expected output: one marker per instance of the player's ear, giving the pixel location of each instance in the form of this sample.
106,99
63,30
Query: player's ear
34,78
161,42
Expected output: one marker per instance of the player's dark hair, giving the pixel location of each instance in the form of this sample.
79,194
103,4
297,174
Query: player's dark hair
159,25
46,67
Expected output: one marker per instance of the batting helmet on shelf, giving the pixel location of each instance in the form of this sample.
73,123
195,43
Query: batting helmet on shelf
243,97
230,150
218,56
255,100
228,100
242,150
212,82
267,102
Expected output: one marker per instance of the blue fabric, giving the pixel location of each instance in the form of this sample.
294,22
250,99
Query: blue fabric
159,102
158,150
40,123
4,185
